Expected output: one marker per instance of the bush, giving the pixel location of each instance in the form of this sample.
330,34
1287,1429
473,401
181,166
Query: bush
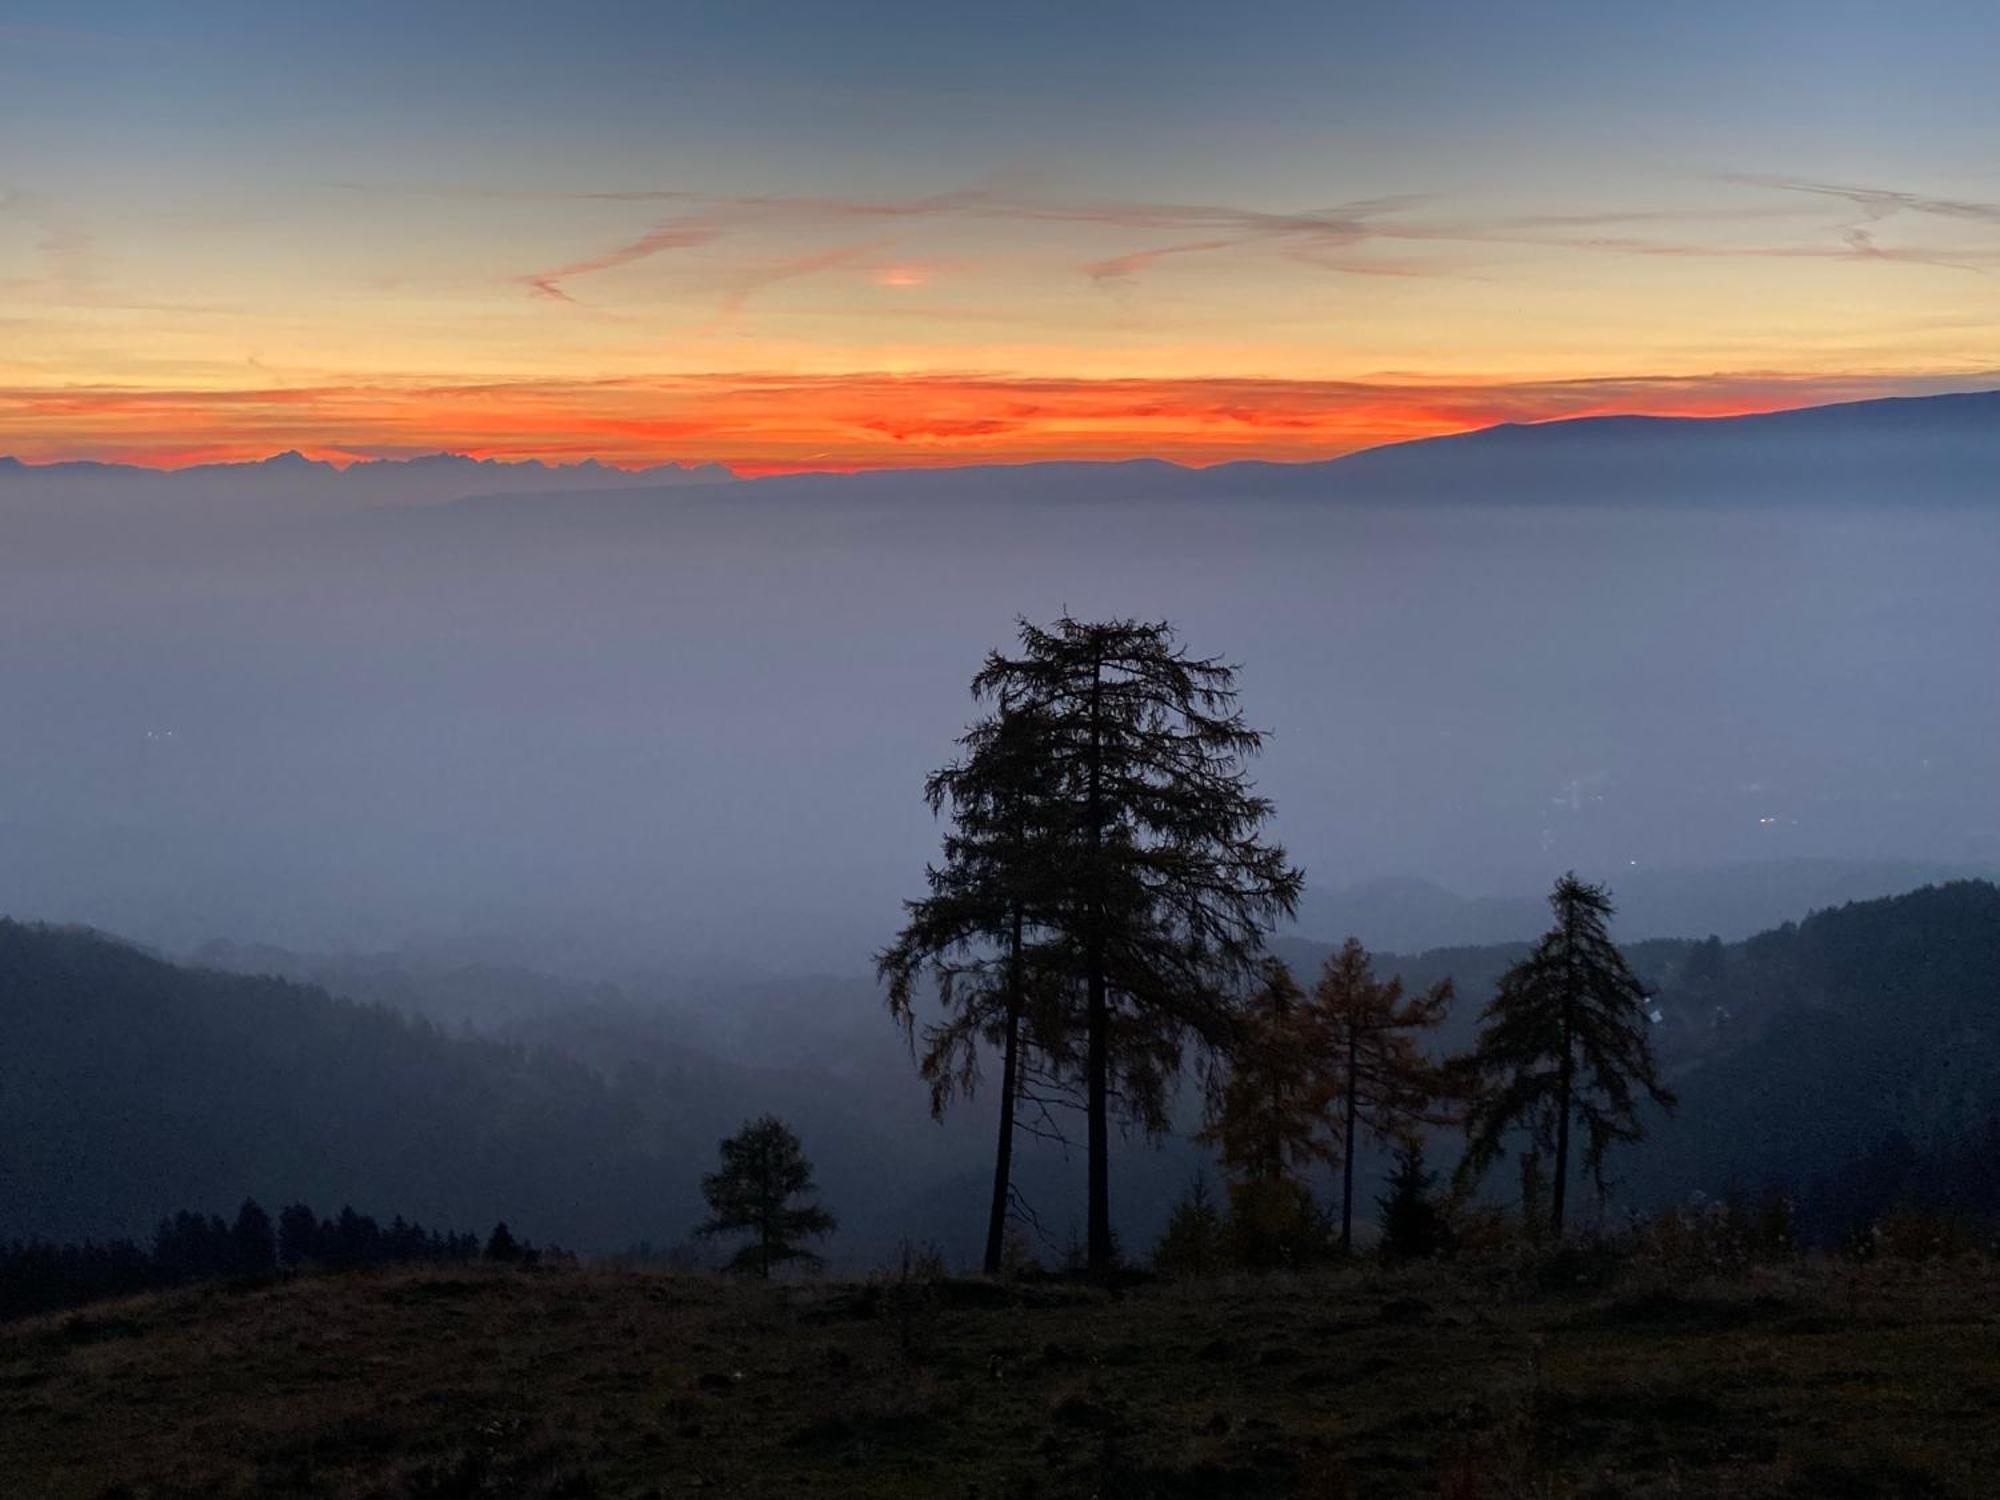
1275,1225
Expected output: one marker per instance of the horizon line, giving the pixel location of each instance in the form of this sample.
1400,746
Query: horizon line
342,459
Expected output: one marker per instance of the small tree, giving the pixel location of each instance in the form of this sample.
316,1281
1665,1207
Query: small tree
254,1240
298,1235
1562,1043
501,1246
763,1170
1377,1082
1195,1240
1262,1119
1412,1226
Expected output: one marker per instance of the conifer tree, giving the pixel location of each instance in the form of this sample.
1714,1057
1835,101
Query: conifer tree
977,932
1412,1226
1376,1083
501,1246
1193,1242
1261,1119
763,1170
1265,1124
254,1240
1156,884
1563,1043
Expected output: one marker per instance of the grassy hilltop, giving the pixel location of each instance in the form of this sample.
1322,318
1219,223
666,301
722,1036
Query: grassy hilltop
1809,1381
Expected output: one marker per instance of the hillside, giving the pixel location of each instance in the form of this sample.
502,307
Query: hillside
1828,1037
130,1087
1910,450
1805,1382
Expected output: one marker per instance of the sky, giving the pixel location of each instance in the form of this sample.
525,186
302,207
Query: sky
789,236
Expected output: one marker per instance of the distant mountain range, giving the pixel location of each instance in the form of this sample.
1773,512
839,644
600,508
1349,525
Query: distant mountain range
1934,448
289,482
1730,901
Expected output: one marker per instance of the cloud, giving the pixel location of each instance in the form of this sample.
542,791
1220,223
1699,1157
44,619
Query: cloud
1123,267
762,421
1345,237
1878,203
670,236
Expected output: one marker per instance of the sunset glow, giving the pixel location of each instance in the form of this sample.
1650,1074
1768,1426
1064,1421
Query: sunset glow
757,276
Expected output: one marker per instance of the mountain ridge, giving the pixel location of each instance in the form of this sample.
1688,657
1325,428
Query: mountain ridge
1946,415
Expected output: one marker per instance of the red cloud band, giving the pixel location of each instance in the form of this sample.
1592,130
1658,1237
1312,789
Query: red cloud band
760,422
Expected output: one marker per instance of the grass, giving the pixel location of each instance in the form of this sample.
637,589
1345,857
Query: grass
1805,1382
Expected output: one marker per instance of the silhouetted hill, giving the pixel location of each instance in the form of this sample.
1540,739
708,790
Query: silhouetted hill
1733,901
1827,1038
130,1087
289,483
1910,450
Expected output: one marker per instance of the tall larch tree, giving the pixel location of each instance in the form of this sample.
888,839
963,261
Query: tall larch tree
1159,886
1264,1123
1564,1044
977,935
1377,1084
763,1176
1261,1119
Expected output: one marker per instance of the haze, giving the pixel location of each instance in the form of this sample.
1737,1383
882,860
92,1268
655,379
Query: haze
686,728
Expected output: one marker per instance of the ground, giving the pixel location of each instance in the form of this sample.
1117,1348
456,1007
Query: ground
1807,1381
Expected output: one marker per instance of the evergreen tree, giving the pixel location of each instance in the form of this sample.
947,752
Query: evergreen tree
1157,887
1194,1242
501,1246
976,934
1564,1043
1261,1120
1376,1083
763,1170
254,1241
1412,1226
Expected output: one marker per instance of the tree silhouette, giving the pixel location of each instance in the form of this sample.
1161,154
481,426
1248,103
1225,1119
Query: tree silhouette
1563,1042
976,934
1264,1121
1261,1119
1376,1083
254,1241
763,1170
1412,1226
1195,1239
1157,887
501,1246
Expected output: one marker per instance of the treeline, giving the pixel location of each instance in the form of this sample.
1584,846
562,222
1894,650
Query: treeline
187,1247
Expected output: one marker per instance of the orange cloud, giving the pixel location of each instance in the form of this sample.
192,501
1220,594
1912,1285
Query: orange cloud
761,422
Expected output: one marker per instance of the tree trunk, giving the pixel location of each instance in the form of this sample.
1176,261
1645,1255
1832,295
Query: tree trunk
1563,1081
1010,1085
1097,1061
1565,1073
1097,1053
1347,1164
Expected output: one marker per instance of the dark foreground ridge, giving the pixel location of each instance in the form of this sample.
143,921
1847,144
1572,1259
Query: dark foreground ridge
1796,1381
